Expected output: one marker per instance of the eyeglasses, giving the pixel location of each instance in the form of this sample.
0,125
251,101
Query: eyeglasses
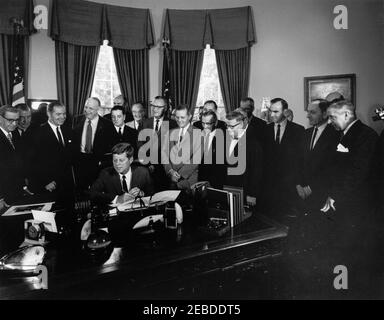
153,106
207,123
11,120
234,126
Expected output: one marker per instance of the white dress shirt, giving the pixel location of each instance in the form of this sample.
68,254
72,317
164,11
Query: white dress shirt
128,178
234,142
283,125
53,127
160,122
94,123
118,128
211,135
320,130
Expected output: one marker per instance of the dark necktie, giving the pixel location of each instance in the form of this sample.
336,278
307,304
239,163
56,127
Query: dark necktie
125,188
278,134
9,136
181,136
61,141
313,138
157,125
88,138
120,133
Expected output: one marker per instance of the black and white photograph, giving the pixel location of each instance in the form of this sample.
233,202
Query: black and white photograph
192,156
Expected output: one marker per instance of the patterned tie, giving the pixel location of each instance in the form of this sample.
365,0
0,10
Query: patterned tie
313,138
9,136
88,138
157,125
61,141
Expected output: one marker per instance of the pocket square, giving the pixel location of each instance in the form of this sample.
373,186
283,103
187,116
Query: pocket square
341,148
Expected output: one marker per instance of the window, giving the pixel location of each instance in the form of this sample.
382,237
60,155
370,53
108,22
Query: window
209,88
106,85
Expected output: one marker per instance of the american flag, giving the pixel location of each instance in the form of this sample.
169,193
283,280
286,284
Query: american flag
167,74
18,67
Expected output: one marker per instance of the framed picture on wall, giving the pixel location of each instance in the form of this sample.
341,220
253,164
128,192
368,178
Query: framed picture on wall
35,103
320,87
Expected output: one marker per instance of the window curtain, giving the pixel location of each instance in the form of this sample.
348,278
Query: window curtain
229,31
75,71
13,9
233,69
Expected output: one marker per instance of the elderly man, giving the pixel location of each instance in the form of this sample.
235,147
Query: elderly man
93,139
122,182
11,177
138,116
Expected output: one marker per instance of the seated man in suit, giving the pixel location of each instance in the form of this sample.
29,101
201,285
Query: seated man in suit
11,173
319,149
257,126
182,153
249,154
122,182
93,138
52,159
123,133
284,160
212,167
210,105
138,116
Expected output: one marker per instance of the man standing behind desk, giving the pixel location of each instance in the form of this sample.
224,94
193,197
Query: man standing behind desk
121,182
11,177
51,159
93,139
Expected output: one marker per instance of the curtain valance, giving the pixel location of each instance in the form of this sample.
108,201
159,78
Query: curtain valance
19,9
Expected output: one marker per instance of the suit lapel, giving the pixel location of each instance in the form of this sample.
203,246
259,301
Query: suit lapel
6,141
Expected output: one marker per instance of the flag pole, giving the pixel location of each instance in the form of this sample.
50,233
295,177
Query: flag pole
18,63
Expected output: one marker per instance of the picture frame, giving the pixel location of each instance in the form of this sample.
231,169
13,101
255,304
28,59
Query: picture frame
318,87
34,103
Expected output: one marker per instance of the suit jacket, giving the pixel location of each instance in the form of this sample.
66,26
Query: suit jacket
317,162
352,171
183,162
257,128
51,161
131,124
129,135
11,174
103,141
284,161
108,184
251,178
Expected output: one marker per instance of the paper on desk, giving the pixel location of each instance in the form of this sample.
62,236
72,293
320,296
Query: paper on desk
48,218
129,205
27,209
164,196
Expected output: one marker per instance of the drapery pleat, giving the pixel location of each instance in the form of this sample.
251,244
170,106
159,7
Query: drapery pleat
186,70
132,68
6,44
233,68
75,71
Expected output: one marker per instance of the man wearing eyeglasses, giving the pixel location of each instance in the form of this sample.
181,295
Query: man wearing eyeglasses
11,177
249,155
212,167
160,125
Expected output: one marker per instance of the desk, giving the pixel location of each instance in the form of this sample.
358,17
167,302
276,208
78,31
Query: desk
162,261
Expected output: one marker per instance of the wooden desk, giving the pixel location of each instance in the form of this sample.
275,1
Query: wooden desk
163,261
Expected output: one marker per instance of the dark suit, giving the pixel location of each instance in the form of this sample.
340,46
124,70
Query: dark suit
11,174
87,166
212,169
282,168
52,162
108,184
129,135
251,178
159,176
317,163
257,128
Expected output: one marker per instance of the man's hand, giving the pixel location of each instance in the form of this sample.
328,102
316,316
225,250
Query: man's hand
51,186
251,201
136,192
174,175
300,191
329,204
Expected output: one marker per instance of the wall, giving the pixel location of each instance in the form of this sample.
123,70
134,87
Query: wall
296,39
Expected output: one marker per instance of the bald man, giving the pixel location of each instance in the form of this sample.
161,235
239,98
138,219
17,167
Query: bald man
93,139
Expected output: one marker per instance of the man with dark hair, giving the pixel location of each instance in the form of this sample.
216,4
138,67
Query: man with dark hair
11,177
123,133
160,125
256,126
284,161
212,167
121,101
210,105
138,114
320,141
182,152
40,115
122,182
51,159
92,140
249,154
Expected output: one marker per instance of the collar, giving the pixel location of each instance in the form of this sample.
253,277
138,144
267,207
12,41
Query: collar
185,129
53,126
282,124
242,133
94,121
118,128
349,127
322,126
5,132
127,174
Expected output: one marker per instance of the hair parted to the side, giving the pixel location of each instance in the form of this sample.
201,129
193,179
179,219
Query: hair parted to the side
123,147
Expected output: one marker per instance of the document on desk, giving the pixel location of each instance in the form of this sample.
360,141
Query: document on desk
27,209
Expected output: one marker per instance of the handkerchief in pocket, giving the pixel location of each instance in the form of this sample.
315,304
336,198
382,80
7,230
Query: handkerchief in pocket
341,148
